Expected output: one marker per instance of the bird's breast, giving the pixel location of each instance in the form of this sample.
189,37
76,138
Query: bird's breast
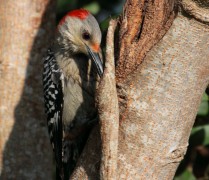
79,89
79,101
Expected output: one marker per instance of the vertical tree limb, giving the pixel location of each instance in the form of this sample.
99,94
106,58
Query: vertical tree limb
109,111
158,99
109,124
26,28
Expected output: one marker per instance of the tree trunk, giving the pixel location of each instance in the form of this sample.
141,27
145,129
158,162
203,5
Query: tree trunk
162,71
26,28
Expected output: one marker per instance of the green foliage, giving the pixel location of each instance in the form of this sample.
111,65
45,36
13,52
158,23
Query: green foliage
105,23
186,175
204,107
196,160
93,7
200,135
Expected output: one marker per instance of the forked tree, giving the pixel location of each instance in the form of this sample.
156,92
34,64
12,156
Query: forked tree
149,99
156,71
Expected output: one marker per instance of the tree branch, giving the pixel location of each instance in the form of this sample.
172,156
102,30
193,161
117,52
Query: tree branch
109,122
158,99
163,96
108,111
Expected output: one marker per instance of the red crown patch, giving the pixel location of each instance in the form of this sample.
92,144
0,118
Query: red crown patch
78,13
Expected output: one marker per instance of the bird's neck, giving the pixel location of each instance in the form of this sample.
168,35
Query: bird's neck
77,66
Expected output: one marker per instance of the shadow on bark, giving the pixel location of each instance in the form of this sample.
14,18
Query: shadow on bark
27,153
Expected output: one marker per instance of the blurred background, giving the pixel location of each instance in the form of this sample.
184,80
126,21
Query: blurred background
101,9
196,162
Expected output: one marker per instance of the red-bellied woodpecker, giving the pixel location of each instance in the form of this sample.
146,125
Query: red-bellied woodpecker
70,79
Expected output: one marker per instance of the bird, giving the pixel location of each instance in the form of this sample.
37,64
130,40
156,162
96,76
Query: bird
72,69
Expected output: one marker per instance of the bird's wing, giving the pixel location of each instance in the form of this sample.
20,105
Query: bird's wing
53,80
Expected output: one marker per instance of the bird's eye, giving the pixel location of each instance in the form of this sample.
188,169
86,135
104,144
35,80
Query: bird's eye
86,36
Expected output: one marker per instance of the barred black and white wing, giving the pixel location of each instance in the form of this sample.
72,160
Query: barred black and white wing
53,98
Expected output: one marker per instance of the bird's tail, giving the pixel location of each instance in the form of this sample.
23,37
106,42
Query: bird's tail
59,174
66,170
73,151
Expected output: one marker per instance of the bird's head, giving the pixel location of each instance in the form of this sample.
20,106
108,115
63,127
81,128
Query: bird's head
79,32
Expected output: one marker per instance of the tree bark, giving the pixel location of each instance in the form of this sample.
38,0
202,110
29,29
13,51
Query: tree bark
109,112
162,71
26,28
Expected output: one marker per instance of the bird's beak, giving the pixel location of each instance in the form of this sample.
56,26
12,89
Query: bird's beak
94,56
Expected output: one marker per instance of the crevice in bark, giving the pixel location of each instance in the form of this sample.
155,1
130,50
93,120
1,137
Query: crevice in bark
143,17
153,20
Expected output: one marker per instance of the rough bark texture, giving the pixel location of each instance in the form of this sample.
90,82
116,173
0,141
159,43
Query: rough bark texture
162,105
161,77
143,23
162,70
26,28
109,120
109,112
198,9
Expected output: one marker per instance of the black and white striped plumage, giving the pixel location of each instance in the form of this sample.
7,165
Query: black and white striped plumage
66,150
70,78
67,139
53,99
